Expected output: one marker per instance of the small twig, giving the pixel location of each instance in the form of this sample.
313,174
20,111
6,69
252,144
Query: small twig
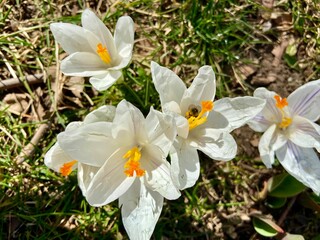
16,82
28,150
285,213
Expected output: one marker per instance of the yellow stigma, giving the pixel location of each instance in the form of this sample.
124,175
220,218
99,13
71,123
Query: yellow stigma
103,53
133,165
195,117
281,103
66,168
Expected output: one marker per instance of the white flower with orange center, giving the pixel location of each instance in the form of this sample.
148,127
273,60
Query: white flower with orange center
201,123
290,132
126,160
93,51
60,161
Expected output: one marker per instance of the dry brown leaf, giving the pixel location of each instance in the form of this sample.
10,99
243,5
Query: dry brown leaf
75,85
18,102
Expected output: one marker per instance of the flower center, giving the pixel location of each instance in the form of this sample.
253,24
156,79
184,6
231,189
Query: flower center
282,103
103,53
195,114
133,163
66,168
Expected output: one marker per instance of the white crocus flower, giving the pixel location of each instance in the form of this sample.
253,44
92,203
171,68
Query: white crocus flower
290,132
128,161
93,51
60,161
201,123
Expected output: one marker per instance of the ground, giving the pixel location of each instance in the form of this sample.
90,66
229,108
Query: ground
249,44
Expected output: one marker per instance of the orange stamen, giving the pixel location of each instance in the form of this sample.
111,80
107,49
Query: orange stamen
66,168
133,165
195,121
103,53
280,102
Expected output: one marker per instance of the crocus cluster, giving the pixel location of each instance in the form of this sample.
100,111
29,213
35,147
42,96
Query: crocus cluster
121,154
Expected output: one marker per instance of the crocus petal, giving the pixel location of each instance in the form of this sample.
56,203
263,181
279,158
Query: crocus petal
305,100
124,38
214,120
85,176
269,143
203,88
79,143
169,86
130,118
110,182
72,38
104,113
92,23
157,176
301,163
259,124
104,81
56,157
173,109
270,112
239,110
83,64
162,130
185,165
140,210
217,144
304,133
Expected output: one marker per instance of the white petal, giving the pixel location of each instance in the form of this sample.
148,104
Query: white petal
301,163
259,123
110,182
270,112
131,118
124,38
56,157
269,143
91,143
85,176
203,88
217,144
305,100
161,130
104,81
104,113
185,165
215,120
72,38
157,177
92,23
304,133
169,86
140,211
173,109
239,110
83,64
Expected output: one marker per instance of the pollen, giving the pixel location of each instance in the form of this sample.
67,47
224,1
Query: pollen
195,118
280,102
285,122
133,164
66,168
103,53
